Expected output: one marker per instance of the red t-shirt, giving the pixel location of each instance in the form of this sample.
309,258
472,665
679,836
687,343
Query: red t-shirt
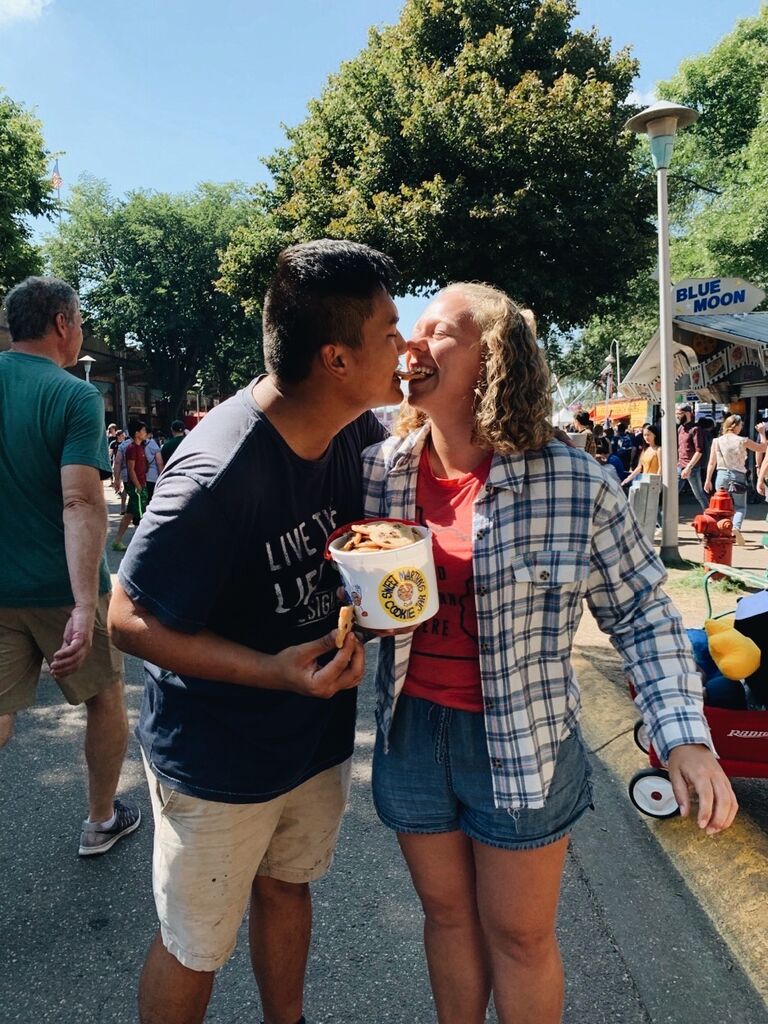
445,664
689,441
135,453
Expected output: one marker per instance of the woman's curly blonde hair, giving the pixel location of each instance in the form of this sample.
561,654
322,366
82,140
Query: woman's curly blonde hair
513,403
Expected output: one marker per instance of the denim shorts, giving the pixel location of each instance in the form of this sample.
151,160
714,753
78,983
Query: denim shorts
437,778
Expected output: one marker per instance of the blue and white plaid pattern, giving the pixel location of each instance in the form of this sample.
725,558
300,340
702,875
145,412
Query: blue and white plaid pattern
550,529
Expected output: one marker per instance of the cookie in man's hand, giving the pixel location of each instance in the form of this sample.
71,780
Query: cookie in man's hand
346,619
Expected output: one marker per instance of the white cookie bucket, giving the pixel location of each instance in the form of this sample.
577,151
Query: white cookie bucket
389,589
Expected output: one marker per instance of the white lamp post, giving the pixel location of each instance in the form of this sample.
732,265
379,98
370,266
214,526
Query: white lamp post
87,362
615,344
607,372
660,123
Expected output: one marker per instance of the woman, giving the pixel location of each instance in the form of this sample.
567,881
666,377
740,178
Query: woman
479,766
728,464
650,457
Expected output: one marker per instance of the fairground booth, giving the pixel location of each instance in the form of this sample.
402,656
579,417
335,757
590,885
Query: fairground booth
720,350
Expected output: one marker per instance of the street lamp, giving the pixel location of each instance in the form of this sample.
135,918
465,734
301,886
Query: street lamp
660,123
87,362
607,373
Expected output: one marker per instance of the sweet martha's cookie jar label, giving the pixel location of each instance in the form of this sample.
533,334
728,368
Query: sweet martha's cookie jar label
403,594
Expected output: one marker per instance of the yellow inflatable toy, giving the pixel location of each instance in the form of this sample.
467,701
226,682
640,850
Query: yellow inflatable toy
734,654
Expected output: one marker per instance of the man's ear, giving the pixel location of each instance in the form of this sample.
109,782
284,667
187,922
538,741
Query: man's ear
61,324
334,359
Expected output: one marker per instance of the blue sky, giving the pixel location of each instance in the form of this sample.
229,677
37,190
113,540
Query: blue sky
163,94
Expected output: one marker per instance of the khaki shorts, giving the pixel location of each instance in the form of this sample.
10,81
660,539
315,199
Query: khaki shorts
207,854
30,635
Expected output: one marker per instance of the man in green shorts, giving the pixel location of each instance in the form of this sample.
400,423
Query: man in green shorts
54,583
136,462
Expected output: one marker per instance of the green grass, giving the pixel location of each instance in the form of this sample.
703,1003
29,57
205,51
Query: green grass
694,580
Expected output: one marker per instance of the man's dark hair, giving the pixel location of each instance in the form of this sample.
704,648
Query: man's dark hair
135,426
583,418
621,427
32,306
177,426
322,292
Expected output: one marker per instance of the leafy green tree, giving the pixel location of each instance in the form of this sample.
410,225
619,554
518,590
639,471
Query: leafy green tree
724,230
146,267
629,319
718,189
473,139
25,190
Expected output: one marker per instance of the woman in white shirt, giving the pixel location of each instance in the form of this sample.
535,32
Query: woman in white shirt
728,465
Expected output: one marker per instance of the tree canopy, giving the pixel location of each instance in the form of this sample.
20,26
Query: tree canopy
25,190
474,139
726,229
145,266
718,189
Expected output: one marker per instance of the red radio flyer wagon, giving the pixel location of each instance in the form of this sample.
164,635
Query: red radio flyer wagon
740,737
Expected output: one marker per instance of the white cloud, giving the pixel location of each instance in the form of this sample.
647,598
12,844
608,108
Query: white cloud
19,10
642,99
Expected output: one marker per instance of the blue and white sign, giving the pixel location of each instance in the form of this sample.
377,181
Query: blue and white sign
713,295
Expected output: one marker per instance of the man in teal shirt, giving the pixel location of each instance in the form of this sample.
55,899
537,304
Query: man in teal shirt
54,582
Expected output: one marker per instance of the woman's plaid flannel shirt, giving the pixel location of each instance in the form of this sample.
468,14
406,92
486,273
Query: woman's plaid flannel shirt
549,529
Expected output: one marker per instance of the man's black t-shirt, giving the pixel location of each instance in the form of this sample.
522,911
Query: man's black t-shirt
233,541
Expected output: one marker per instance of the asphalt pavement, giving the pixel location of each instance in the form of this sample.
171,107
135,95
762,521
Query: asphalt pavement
637,945
638,948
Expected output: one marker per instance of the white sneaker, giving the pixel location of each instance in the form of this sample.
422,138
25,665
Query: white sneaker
739,537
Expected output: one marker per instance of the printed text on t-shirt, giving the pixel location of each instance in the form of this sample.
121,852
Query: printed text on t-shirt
294,550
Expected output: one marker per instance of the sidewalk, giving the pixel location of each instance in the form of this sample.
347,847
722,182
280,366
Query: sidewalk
752,556
638,948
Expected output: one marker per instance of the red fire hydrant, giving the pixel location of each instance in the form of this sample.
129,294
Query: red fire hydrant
715,526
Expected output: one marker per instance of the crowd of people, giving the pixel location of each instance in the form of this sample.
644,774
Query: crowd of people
710,456
247,720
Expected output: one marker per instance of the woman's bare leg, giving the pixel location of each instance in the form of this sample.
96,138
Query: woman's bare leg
517,897
443,873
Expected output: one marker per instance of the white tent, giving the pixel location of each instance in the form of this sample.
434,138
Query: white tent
645,372
561,417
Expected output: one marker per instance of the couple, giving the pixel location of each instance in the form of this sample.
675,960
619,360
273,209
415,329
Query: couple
248,718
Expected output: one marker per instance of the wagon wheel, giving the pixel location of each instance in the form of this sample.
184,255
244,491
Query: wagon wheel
642,739
651,792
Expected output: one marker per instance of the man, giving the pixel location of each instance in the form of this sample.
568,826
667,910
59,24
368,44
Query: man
606,457
136,483
114,443
248,724
154,463
622,446
583,425
690,449
120,470
54,584
173,442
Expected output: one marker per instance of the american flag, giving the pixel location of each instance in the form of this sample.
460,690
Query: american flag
56,180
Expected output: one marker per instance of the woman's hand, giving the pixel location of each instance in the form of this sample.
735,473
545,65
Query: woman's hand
708,486
694,768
